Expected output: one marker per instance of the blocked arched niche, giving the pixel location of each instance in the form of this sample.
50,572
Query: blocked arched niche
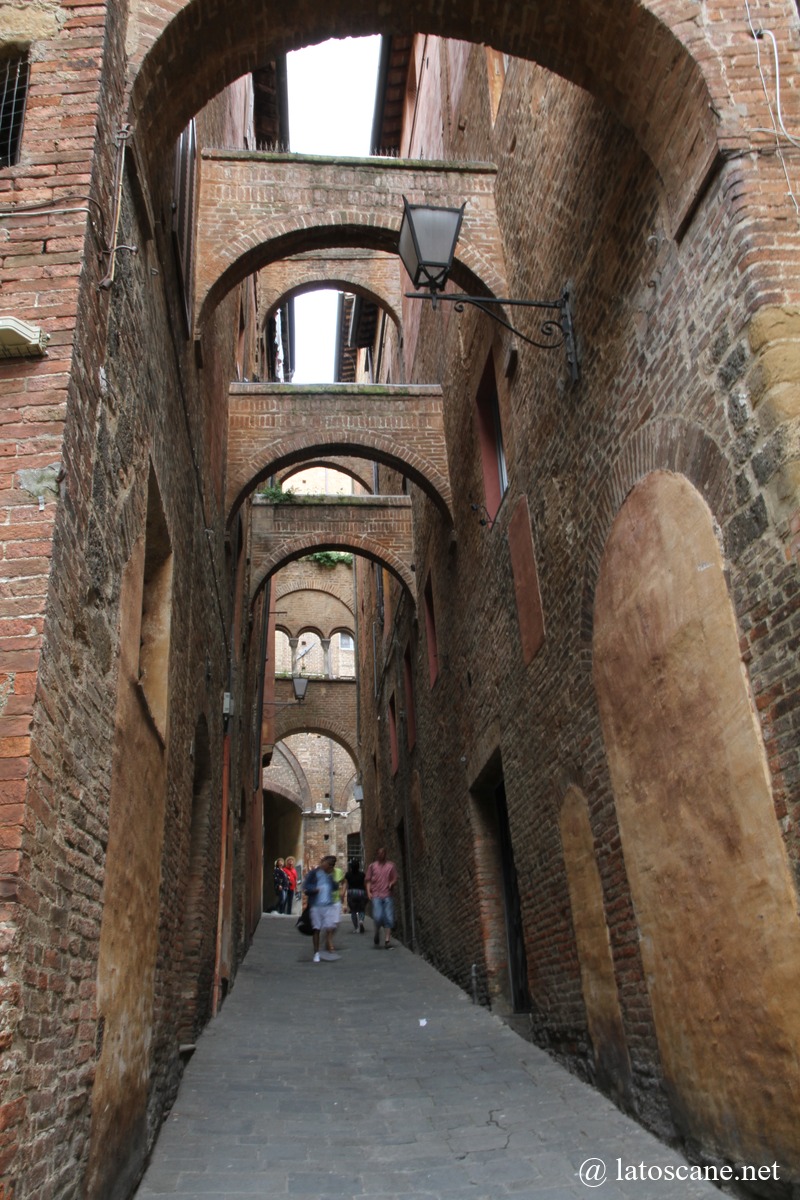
598,979
708,872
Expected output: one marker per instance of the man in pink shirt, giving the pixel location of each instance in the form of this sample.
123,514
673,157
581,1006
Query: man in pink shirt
381,879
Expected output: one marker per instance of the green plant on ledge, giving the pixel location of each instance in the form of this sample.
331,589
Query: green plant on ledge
274,493
330,558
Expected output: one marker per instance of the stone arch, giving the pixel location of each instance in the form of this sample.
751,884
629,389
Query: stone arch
305,606
284,587
329,594
373,277
338,284
355,468
353,443
303,790
283,794
270,238
294,548
670,444
649,64
709,876
310,627
295,720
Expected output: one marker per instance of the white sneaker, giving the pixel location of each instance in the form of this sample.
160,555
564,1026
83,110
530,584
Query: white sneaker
328,955
317,958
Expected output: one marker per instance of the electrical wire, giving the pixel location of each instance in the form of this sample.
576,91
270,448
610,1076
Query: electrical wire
779,126
56,207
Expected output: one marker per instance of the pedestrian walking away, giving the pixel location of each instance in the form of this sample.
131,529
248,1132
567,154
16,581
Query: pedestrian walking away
356,895
380,880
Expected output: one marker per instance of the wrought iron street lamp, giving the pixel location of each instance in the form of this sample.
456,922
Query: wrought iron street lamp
427,245
299,687
428,238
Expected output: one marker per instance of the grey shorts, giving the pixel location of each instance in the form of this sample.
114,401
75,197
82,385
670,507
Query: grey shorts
324,916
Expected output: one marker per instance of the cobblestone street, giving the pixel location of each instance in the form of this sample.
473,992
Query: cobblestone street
375,1077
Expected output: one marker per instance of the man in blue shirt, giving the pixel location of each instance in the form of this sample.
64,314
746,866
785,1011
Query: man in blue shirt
318,887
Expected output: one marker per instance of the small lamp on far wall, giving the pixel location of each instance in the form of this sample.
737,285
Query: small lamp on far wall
300,685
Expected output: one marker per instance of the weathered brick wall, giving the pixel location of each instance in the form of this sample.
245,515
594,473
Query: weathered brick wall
121,385
669,380
328,709
51,265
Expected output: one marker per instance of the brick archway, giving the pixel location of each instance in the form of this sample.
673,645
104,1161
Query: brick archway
294,548
298,722
364,273
274,426
641,60
356,468
673,445
256,209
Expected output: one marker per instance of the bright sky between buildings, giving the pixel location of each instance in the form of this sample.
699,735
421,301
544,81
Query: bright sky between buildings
331,105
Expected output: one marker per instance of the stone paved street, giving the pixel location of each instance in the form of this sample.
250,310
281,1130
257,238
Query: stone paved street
375,1077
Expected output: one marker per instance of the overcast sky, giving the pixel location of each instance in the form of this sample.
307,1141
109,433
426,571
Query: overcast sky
331,105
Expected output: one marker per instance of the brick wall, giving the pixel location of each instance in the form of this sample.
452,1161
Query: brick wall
272,425
669,381
118,397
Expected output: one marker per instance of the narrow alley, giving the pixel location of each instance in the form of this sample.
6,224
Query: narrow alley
495,569
374,1076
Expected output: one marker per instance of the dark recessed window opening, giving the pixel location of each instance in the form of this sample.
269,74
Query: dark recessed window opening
183,210
14,74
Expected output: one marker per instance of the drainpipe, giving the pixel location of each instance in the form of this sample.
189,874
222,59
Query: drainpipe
226,761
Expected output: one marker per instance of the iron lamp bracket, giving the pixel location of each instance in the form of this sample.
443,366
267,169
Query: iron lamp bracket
554,331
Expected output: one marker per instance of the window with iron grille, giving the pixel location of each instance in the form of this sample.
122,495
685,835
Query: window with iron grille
183,208
14,73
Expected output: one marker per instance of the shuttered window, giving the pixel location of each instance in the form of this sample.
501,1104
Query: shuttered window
183,210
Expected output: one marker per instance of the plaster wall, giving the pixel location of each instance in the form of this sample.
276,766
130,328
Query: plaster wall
709,874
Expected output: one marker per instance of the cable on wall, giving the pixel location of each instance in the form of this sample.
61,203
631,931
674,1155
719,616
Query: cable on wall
778,126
